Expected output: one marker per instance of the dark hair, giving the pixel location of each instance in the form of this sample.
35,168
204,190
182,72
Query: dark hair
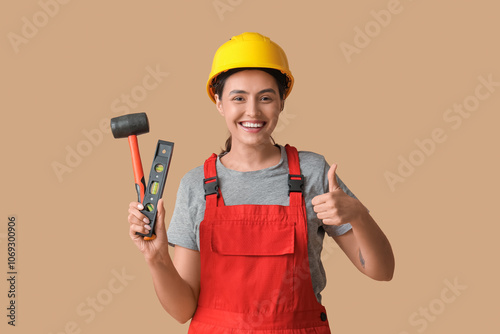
281,80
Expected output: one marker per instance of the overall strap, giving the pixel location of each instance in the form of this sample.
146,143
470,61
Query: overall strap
295,178
211,182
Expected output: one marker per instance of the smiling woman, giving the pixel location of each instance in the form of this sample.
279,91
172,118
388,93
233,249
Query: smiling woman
281,79
248,225
252,102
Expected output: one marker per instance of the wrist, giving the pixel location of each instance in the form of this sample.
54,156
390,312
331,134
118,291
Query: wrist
158,260
361,217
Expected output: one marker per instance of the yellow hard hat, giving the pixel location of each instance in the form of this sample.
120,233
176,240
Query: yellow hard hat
249,49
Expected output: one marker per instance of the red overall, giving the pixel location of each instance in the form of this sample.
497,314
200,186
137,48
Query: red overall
255,275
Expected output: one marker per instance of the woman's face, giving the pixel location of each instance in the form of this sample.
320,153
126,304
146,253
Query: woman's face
251,105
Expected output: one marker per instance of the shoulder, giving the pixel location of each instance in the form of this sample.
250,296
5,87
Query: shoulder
192,179
312,163
311,158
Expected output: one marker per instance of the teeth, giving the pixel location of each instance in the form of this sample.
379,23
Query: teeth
252,125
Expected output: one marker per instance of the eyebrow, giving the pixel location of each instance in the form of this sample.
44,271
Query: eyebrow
267,90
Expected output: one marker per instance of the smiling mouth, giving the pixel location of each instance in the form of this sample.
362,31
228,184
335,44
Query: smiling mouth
252,125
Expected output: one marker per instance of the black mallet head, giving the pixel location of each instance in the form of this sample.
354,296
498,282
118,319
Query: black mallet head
131,124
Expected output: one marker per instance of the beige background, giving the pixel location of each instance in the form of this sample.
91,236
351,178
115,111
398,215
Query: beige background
362,114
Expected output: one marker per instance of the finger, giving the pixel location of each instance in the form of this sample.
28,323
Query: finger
138,228
332,222
160,219
327,214
321,207
323,215
136,205
332,180
136,217
319,199
134,208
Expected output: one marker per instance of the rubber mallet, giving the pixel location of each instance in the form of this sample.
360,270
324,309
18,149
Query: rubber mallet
131,126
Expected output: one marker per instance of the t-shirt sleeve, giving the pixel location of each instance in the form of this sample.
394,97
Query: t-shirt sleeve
182,230
334,230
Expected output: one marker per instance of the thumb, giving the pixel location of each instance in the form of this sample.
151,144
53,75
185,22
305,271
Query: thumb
332,180
160,219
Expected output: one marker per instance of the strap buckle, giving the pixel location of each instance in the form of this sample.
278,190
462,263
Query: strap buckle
295,183
211,187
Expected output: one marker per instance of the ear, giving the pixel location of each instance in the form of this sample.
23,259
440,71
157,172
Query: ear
282,105
218,104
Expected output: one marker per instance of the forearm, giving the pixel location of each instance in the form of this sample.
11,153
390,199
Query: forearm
375,252
174,293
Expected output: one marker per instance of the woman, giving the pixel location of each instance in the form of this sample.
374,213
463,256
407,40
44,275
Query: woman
248,225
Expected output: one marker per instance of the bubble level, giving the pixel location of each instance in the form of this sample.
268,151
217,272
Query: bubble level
154,187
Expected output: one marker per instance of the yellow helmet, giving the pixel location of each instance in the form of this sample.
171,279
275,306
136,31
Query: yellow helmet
249,49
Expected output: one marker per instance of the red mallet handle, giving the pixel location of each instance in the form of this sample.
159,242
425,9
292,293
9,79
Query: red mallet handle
140,183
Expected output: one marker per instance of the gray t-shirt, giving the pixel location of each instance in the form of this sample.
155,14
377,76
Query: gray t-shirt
267,186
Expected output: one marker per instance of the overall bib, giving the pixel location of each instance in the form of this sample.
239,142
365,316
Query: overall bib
255,275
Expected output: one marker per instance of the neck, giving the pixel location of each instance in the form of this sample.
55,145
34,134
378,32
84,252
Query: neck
246,158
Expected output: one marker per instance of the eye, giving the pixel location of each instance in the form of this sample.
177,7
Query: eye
238,98
266,98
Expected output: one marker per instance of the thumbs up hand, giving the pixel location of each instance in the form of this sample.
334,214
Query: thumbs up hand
336,207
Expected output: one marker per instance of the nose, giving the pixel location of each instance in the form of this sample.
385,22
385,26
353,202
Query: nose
252,108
